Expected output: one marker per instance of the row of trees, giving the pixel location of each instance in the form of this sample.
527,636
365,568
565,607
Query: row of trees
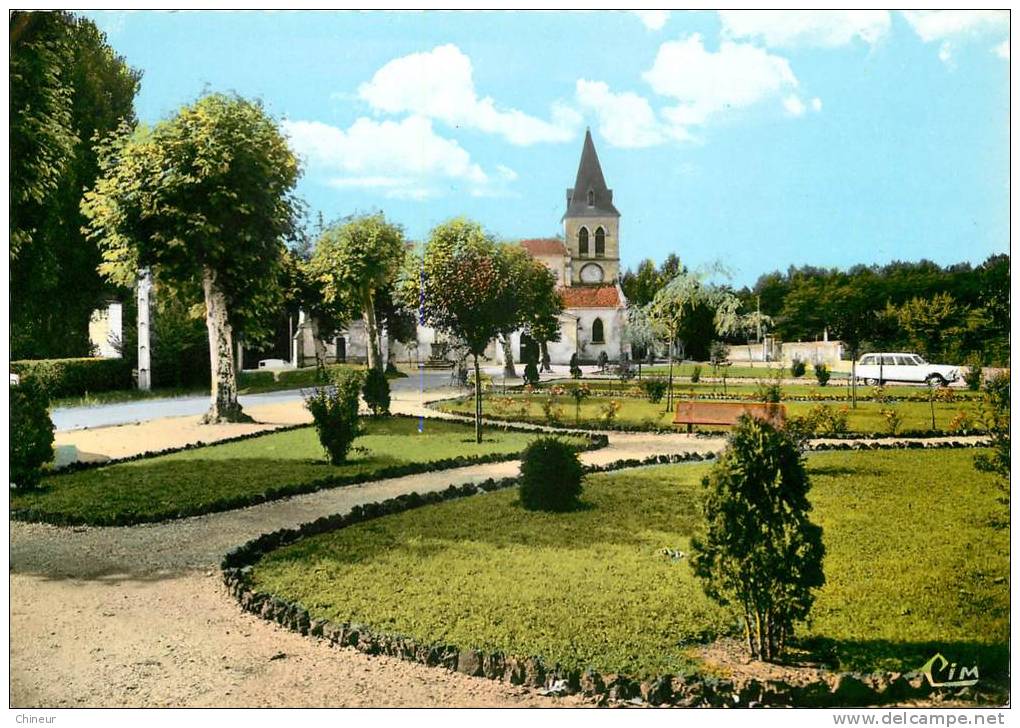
952,313
68,89
205,201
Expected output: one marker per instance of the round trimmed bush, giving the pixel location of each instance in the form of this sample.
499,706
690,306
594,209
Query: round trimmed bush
550,476
31,433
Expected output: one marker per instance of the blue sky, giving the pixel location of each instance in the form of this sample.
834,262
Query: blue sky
759,139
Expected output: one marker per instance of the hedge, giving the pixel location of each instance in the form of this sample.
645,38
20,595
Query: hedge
75,377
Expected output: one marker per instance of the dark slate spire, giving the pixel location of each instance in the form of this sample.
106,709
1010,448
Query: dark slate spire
590,180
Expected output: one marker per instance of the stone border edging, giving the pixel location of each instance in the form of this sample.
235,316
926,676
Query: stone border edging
31,515
836,689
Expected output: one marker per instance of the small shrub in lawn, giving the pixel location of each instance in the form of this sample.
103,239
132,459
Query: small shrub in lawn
757,550
334,409
972,375
893,420
696,374
376,391
798,367
609,411
654,389
822,374
550,476
961,422
770,392
551,411
878,394
575,368
825,420
995,414
31,433
603,360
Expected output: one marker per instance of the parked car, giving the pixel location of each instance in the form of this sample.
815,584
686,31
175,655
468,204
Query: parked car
902,367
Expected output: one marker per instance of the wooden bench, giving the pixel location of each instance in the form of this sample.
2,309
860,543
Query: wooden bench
692,413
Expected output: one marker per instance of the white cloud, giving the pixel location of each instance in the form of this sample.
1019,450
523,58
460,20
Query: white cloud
946,53
816,104
404,159
794,106
705,84
653,19
1002,50
931,25
800,28
625,119
439,84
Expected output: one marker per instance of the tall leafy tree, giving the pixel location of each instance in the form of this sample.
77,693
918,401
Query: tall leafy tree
55,286
354,262
464,288
42,137
677,301
535,298
206,200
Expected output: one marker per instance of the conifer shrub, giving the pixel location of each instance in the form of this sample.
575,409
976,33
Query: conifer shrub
376,391
575,368
822,374
972,375
334,409
756,549
551,475
798,367
696,374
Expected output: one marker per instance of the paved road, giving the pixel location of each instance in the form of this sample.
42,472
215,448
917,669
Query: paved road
78,418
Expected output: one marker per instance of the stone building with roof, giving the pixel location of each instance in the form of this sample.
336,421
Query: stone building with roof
586,263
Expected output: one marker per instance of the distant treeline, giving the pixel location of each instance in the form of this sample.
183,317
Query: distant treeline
955,313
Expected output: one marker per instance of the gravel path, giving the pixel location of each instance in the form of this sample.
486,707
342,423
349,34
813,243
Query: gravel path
138,616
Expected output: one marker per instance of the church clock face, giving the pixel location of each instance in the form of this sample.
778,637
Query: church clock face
592,273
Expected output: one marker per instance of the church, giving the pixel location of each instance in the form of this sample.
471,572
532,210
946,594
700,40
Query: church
586,263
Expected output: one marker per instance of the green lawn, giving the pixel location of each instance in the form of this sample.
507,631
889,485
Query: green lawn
223,476
634,412
914,565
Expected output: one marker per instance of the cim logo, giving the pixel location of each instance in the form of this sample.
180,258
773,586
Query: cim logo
943,674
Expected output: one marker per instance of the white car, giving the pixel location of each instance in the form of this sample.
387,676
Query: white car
902,367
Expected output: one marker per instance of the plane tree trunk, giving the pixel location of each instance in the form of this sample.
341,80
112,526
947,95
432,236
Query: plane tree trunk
372,327
508,358
224,406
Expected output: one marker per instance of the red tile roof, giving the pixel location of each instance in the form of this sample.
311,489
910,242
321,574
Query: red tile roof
544,246
590,297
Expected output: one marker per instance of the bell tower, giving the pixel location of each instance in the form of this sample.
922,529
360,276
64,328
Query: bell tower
591,224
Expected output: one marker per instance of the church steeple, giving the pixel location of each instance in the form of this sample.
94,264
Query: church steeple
591,224
590,197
